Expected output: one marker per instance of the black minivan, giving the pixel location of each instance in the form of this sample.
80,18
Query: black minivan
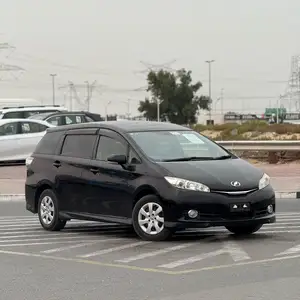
157,177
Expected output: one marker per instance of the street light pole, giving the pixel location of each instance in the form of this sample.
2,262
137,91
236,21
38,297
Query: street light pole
209,82
53,87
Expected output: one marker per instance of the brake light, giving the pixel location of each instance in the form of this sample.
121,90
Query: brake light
28,161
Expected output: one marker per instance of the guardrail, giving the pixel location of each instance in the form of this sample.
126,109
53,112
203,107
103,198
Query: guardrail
274,145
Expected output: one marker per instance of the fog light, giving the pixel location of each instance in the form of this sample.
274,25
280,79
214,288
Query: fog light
270,209
192,213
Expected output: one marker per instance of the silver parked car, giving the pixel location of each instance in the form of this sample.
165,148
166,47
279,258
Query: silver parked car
19,137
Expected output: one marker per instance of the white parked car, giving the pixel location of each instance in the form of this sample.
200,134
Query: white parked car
23,112
19,137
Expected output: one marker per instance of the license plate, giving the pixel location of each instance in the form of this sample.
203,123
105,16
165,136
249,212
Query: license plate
239,207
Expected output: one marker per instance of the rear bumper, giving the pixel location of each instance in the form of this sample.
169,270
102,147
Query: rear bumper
30,193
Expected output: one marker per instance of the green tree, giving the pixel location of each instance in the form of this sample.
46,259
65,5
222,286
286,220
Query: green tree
177,97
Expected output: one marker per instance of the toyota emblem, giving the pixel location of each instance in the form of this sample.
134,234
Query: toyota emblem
235,183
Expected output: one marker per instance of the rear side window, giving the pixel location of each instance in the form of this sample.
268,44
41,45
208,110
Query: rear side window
48,143
79,145
31,127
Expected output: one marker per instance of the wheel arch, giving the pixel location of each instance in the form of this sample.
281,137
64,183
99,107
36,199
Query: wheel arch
43,185
144,190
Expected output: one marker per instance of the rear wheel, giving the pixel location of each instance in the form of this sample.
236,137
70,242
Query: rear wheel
48,211
244,230
148,219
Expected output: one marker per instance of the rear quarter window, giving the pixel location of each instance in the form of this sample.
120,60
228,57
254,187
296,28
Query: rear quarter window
48,143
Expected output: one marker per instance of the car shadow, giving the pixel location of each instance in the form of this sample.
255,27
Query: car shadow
124,231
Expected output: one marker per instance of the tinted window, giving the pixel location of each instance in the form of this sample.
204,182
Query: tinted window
88,119
30,127
80,146
108,147
48,143
165,145
55,120
133,157
74,119
9,129
13,115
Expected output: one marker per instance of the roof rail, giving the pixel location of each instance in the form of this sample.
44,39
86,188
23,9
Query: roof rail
28,106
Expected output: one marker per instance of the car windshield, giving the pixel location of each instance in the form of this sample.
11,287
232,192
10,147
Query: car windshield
178,146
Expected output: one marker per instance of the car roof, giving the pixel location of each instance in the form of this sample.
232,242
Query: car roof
59,113
124,126
6,121
31,108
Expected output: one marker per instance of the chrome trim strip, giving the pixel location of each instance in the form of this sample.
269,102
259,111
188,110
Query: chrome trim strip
235,192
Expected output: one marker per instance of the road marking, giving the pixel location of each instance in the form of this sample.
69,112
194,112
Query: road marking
154,253
109,250
288,213
88,262
37,243
281,223
28,222
230,248
41,239
35,235
287,219
293,250
152,270
79,245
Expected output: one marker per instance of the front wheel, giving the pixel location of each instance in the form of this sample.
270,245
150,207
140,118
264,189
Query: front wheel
244,230
48,211
148,219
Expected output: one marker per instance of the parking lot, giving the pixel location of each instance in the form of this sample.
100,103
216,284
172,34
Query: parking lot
95,261
117,246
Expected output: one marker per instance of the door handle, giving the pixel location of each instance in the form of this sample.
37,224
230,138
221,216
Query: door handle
57,164
94,170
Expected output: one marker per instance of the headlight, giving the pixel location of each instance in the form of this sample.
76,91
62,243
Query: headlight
264,181
187,184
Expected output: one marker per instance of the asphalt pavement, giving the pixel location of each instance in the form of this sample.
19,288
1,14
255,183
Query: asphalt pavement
90,260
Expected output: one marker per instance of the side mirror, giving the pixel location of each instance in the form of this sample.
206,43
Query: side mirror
120,159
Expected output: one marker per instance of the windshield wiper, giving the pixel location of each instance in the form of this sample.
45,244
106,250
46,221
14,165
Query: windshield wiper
188,158
222,157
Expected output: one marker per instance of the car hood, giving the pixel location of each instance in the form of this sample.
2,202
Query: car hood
217,174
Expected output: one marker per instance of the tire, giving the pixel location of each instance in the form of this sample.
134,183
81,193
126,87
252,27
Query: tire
244,230
49,198
141,229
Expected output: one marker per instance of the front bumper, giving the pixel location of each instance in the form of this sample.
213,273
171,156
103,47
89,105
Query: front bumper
214,209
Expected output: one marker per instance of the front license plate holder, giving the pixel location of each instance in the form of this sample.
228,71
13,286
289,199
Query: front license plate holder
240,207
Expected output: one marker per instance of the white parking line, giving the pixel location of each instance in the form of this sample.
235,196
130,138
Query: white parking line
45,238
35,235
234,250
109,250
154,253
78,245
37,243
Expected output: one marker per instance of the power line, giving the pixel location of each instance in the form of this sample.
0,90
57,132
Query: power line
7,68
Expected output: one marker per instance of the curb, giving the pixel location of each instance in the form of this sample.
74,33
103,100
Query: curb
287,195
12,197
21,197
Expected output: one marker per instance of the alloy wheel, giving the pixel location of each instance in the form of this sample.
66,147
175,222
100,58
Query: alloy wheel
47,210
151,219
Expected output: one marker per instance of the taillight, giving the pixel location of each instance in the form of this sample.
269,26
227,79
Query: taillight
28,161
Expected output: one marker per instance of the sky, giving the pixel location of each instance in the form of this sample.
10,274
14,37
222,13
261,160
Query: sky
113,42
